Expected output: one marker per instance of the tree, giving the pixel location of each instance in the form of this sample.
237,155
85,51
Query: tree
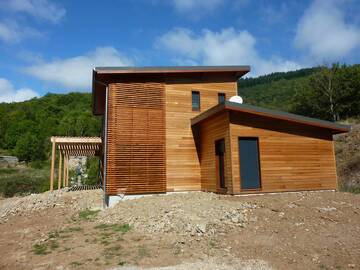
325,84
29,147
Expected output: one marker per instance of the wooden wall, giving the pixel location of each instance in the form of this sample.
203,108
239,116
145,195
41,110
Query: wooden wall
213,129
292,156
136,138
182,163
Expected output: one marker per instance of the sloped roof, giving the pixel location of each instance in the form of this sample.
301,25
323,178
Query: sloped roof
232,106
171,69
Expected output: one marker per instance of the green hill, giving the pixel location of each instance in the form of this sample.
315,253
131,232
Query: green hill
25,127
276,90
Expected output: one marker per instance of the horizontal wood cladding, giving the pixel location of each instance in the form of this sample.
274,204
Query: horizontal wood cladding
292,156
136,138
182,162
210,130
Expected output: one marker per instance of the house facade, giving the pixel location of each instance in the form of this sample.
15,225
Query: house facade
173,129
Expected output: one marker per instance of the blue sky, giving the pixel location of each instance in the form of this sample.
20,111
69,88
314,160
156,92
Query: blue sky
52,46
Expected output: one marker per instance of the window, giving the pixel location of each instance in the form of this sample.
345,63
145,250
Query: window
195,98
221,98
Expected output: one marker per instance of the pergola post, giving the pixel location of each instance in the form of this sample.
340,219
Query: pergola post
67,171
64,171
59,173
52,165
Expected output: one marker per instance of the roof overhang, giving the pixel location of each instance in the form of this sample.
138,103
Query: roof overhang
335,128
102,76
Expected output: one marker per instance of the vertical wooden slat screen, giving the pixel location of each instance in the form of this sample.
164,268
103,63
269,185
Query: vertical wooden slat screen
136,138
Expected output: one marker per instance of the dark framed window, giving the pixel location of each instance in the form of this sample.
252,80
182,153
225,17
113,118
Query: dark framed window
221,97
195,100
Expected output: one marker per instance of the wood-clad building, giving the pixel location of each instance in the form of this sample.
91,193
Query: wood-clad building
173,129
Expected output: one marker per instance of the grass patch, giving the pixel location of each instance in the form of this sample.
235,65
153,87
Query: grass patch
75,263
40,249
88,214
54,234
355,190
143,252
7,170
53,244
72,229
23,181
114,227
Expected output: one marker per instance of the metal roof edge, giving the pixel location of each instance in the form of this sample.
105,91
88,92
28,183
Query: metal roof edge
271,113
171,69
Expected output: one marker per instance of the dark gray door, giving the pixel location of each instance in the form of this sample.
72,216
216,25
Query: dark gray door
249,163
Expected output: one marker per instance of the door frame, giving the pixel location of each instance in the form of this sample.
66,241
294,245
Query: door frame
259,163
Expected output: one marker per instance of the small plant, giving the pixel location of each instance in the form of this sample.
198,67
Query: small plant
40,249
114,227
75,263
72,229
54,234
88,214
121,263
143,252
53,244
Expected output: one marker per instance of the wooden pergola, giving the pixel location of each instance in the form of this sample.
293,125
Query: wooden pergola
70,146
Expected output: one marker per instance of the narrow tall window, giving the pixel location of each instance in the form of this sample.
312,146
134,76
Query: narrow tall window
195,98
221,98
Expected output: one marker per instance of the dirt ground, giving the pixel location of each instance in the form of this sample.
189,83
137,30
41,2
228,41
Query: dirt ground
310,230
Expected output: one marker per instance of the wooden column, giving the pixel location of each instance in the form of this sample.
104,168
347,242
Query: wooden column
52,166
67,170
59,173
64,171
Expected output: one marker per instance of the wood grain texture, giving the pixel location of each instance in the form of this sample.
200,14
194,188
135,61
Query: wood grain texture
182,162
211,130
136,138
292,156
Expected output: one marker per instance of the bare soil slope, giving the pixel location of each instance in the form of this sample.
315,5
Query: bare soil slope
347,149
311,230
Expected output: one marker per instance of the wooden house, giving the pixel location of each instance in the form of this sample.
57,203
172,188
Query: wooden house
173,129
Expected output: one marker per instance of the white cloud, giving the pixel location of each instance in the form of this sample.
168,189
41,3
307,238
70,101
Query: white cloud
42,9
11,32
9,94
196,7
227,47
75,72
324,33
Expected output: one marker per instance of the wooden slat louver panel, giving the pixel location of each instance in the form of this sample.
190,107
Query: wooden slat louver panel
136,138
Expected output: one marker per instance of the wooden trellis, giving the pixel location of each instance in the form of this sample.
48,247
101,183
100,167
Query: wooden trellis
70,146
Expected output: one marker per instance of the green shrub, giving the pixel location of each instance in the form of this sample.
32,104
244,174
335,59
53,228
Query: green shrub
92,170
14,181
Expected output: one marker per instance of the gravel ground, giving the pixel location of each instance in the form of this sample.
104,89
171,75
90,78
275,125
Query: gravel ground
210,264
194,213
195,230
74,201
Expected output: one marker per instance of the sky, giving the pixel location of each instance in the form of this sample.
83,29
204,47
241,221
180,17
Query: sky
52,46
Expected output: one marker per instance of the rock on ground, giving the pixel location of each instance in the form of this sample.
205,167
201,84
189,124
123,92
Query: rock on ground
193,213
74,201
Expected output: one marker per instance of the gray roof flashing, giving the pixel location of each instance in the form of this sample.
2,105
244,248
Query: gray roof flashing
271,113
